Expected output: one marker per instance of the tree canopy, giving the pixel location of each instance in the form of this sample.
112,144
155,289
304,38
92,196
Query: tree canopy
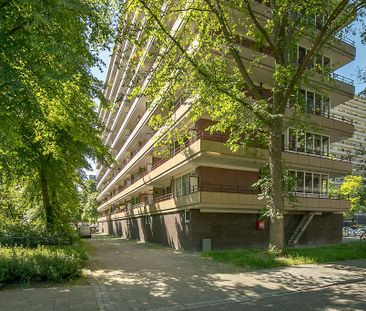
354,189
48,121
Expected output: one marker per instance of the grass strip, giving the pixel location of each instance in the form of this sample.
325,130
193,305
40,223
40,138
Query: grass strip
262,259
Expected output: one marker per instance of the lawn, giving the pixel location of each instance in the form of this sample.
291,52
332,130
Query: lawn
261,259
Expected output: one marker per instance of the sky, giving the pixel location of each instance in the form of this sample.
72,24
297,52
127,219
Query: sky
350,70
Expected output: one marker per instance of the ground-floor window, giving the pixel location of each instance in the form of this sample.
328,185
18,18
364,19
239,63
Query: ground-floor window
187,216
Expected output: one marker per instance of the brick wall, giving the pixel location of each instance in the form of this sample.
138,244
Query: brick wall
226,230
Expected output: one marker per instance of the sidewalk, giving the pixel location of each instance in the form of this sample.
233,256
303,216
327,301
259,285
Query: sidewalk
130,276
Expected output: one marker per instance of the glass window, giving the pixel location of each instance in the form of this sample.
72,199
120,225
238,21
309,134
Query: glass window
292,140
308,182
301,142
319,61
326,105
325,145
326,62
310,101
309,142
317,144
324,185
311,19
178,186
319,21
318,104
302,98
193,184
301,53
187,216
185,184
300,182
316,183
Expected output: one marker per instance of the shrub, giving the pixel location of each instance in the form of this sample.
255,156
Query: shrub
22,265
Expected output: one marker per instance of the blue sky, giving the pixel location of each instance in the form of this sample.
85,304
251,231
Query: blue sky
350,70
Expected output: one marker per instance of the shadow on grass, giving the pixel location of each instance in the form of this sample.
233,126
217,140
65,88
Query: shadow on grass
262,259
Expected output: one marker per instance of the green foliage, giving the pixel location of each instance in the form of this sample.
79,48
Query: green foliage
88,201
48,120
22,265
354,189
262,259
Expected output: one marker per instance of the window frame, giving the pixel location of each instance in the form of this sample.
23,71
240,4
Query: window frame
187,220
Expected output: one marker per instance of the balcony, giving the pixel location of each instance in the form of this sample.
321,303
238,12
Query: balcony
231,198
300,157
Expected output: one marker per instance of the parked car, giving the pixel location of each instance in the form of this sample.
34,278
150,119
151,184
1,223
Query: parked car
84,231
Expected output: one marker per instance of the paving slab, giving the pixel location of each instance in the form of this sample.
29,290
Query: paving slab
125,275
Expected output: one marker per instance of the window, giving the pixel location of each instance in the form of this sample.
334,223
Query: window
308,142
308,183
185,184
300,182
292,140
319,21
316,183
301,53
324,185
319,61
318,104
178,186
317,144
301,142
312,183
187,216
310,101
326,106
326,62
325,145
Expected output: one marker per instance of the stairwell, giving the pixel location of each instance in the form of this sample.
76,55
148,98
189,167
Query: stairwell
301,227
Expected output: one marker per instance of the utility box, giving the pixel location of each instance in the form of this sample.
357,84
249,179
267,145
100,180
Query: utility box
260,225
206,245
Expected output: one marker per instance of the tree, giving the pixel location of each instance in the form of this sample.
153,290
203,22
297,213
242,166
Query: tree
48,120
202,56
89,205
354,189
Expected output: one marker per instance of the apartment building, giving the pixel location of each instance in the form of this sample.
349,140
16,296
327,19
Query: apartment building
201,190
353,147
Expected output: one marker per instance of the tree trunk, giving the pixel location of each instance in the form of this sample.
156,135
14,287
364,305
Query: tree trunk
276,199
47,206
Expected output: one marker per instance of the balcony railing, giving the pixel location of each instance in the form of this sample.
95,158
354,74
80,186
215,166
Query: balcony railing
205,187
319,153
341,78
329,115
345,39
